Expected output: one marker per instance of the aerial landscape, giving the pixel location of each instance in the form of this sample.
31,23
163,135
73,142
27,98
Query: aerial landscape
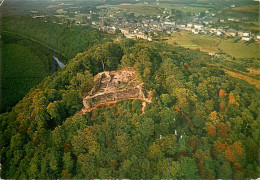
129,89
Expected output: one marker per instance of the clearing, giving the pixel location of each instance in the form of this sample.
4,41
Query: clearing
114,86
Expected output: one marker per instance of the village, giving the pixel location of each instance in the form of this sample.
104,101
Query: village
152,26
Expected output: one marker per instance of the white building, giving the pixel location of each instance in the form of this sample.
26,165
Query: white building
189,25
240,33
198,26
169,23
219,33
246,38
246,34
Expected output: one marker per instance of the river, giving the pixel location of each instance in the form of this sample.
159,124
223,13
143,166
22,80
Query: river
58,61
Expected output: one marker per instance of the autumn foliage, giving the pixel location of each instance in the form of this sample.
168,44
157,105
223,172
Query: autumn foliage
232,100
222,93
219,146
212,131
222,106
229,155
237,148
213,117
222,130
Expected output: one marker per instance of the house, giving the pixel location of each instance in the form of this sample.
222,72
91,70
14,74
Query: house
232,6
149,39
189,25
214,54
213,30
198,26
219,33
222,20
258,37
129,36
206,22
246,38
141,36
39,16
240,33
231,32
247,34
195,31
169,23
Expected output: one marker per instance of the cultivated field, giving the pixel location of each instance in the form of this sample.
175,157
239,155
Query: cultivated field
188,40
137,9
240,49
249,8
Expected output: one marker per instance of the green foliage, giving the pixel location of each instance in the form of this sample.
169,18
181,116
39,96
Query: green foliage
24,64
68,40
45,133
189,168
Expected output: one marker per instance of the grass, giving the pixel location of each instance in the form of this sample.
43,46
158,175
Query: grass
153,8
193,9
233,47
249,9
191,41
250,80
137,9
240,49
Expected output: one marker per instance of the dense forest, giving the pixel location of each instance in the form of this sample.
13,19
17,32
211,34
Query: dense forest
28,48
24,64
67,40
201,124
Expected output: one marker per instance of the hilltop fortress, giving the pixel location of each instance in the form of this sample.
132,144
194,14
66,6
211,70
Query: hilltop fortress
114,86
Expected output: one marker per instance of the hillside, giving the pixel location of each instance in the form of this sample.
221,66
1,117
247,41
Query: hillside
27,56
46,135
66,39
24,64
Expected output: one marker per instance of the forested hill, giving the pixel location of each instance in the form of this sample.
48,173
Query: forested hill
201,124
24,64
28,48
66,39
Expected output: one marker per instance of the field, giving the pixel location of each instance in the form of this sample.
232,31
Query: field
152,9
188,40
240,49
234,54
250,80
138,9
249,9
193,9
